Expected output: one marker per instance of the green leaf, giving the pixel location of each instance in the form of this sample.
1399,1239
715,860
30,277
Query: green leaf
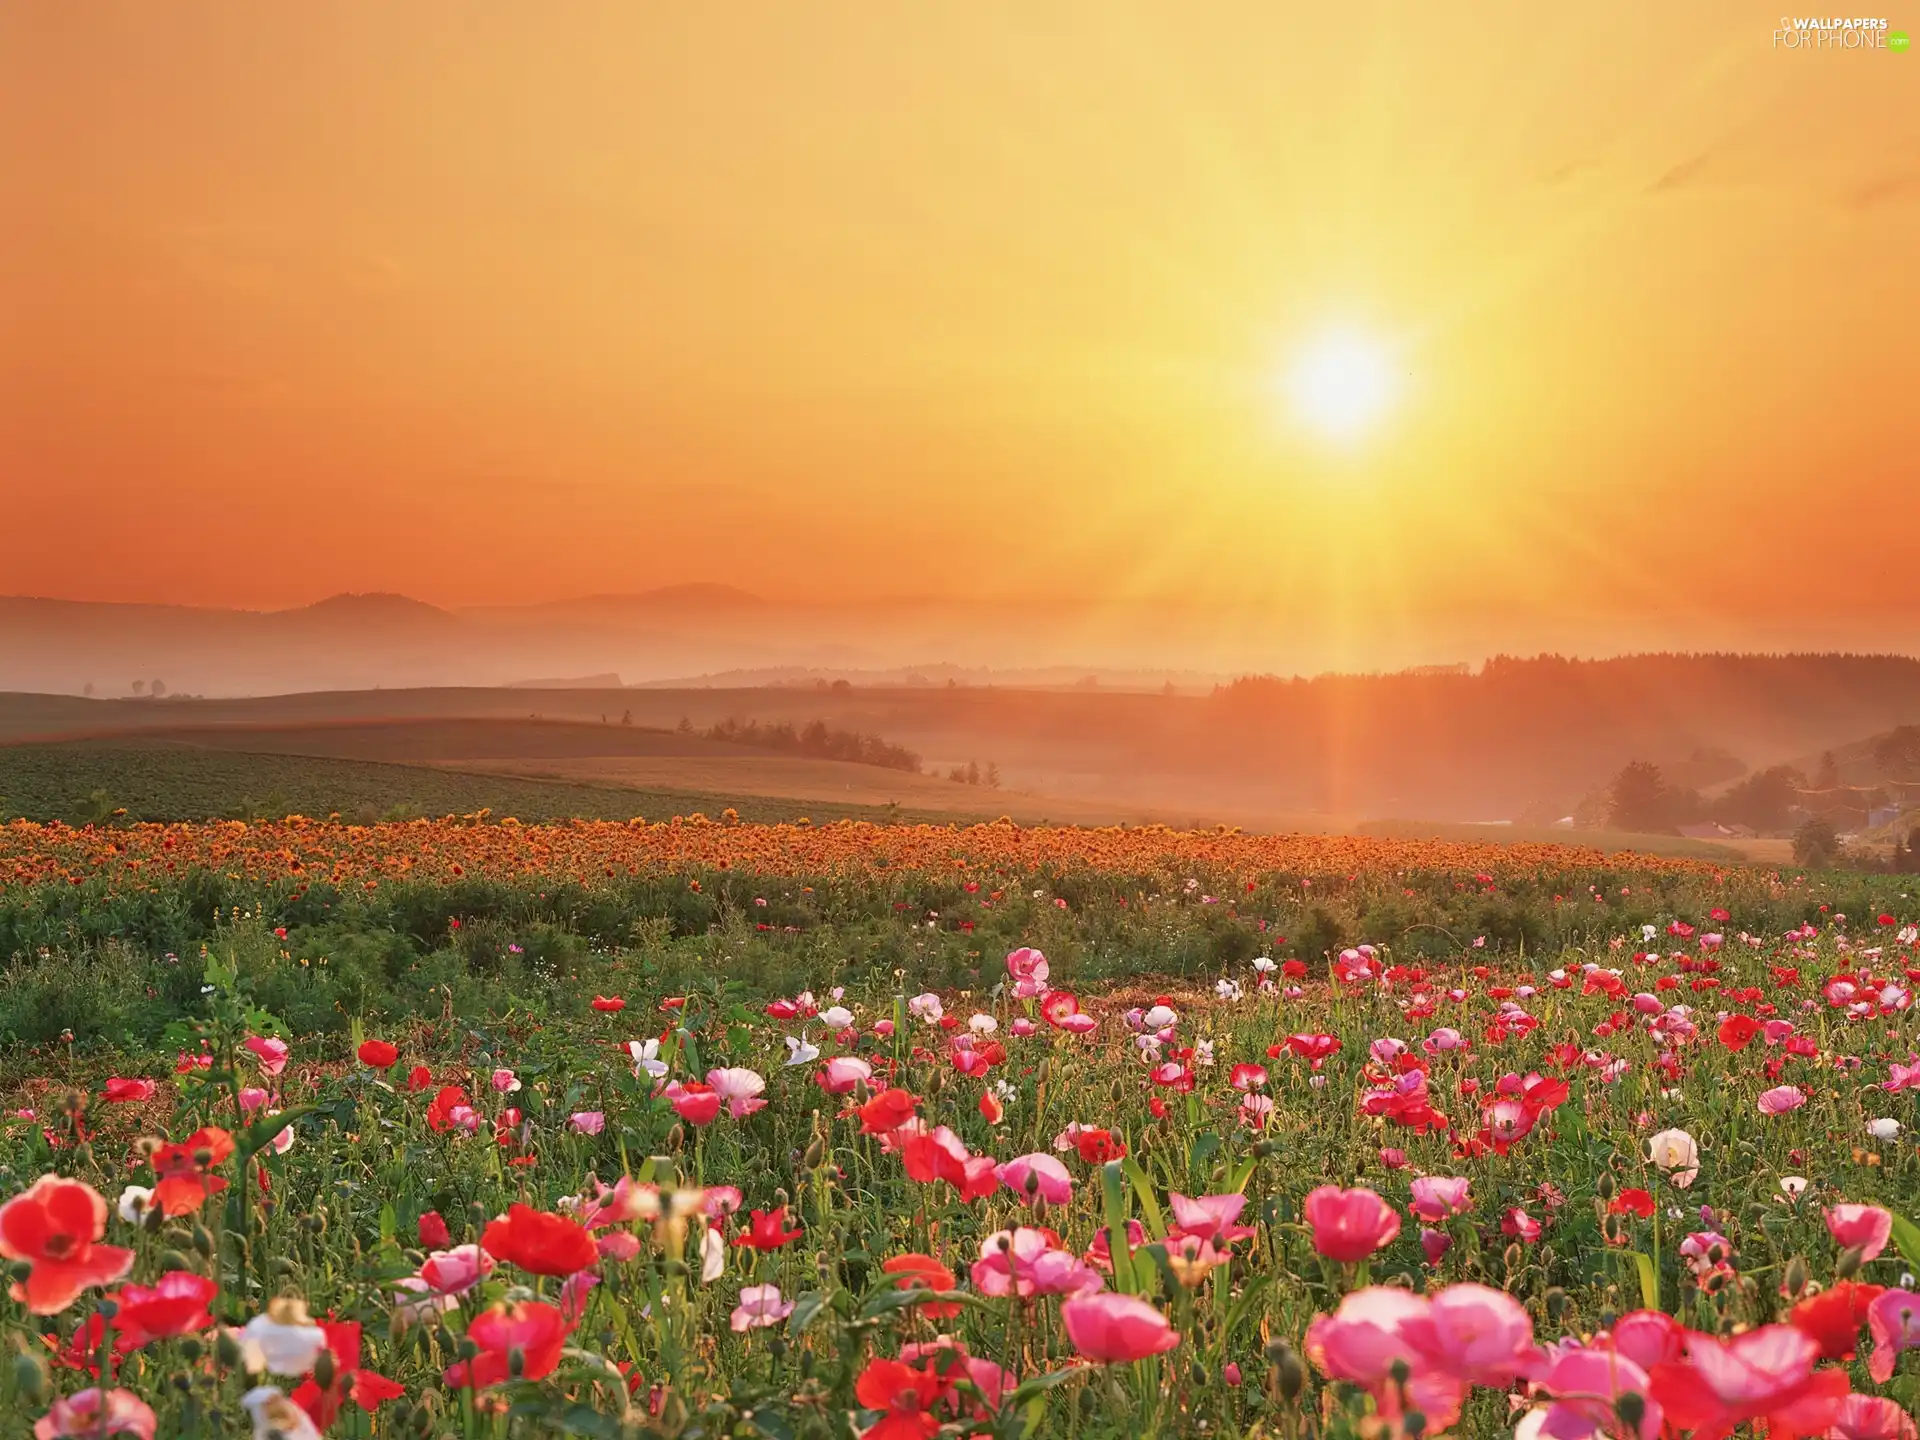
1906,1239
1040,1384
389,1224
259,1135
888,1301
1649,1281
1113,1195
805,1310
1149,1204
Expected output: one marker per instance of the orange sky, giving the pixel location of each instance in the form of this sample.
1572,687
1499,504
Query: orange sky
523,301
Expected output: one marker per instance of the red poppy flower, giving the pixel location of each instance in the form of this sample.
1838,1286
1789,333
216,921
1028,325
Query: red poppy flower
377,1054
175,1305
433,1231
419,1078
915,1269
695,1102
127,1092
1632,1202
887,1111
537,1330
1738,1031
906,1397
609,1004
366,1388
541,1243
1097,1147
767,1230
440,1109
1834,1317
186,1170
53,1226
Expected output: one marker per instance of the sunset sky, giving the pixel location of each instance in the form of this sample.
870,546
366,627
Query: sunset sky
489,303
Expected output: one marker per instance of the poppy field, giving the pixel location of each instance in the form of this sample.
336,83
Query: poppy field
467,1128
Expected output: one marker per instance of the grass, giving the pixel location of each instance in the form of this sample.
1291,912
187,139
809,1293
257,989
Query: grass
77,781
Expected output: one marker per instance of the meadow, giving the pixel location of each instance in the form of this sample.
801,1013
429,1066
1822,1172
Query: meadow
703,1128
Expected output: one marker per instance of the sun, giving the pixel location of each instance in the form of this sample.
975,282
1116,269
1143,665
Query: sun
1342,383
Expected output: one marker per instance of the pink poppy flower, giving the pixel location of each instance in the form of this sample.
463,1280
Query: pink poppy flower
1867,1226
1211,1217
843,1074
1781,1099
1028,1261
117,1412
587,1122
1114,1329
1869,1417
1473,1333
759,1307
1436,1197
739,1088
1587,1385
270,1051
1037,1176
1363,1342
1349,1225
1029,970
1893,1320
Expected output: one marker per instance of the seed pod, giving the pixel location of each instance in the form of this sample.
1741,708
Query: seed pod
226,1349
324,1370
1414,1422
516,1362
1631,1407
191,1349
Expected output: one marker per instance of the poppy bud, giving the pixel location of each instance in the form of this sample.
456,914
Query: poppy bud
324,1370
780,1196
1556,1303
191,1349
1848,1265
282,1266
676,1138
422,1420
399,1413
1414,1422
83,1154
30,1377
1796,1277
816,1152
1513,1256
477,1215
203,1241
174,1260
1604,1186
226,1349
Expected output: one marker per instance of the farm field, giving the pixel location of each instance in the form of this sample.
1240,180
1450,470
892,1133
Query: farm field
702,1129
159,780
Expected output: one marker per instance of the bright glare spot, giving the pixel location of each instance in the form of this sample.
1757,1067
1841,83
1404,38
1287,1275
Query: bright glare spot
1341,383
